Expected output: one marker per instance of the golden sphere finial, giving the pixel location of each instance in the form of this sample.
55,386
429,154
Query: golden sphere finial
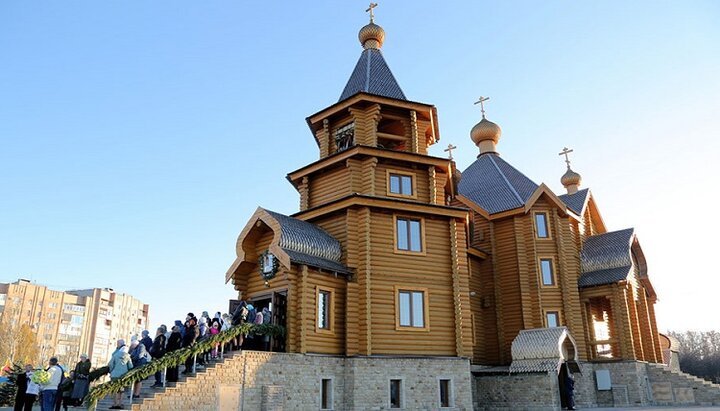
371,36
485,134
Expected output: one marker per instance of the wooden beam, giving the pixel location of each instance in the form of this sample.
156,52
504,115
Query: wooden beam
380,202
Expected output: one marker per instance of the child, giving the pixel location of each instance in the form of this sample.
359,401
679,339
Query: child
214,330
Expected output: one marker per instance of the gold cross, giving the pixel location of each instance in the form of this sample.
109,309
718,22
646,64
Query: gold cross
565,153
480,101
370,10
449,150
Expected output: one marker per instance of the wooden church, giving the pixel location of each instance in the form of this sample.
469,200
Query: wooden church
394,252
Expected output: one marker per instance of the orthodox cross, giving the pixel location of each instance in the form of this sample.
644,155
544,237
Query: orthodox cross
480,101
565,153
370,10
449,151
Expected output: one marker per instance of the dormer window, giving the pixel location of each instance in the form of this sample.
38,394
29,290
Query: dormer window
344,137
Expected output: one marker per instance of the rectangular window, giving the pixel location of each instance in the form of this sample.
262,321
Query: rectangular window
396,394
408,234
546,270
326,394
323,309
541,227
445,394
411,309
401,184
552,319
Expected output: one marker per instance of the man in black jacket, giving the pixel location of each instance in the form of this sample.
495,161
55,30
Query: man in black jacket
157,350
191,334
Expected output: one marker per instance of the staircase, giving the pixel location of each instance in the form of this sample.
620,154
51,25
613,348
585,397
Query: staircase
148,394
674,388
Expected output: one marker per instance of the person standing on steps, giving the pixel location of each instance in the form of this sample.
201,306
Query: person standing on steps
120,364
157,351
174,343
191,335
139,357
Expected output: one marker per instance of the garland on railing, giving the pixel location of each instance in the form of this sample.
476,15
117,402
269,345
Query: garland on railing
174,359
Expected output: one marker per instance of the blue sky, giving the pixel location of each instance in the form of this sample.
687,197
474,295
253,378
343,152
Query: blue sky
138,137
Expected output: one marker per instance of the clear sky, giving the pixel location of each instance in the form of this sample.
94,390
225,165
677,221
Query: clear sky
137,137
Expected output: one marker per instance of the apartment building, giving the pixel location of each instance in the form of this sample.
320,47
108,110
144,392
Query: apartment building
69,323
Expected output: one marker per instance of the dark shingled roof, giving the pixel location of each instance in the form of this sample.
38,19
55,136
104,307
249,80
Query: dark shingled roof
372,75
606,258
495,185
575,202
306,243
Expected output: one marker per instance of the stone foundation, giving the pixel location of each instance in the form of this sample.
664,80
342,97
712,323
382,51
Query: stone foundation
633,384
279,381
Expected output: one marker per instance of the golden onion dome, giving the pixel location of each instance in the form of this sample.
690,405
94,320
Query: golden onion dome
570,178
371,36
485,130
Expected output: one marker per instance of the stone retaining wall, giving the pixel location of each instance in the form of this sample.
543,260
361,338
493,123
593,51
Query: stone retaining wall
279,381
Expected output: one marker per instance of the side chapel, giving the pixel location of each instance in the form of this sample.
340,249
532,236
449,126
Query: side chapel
396,252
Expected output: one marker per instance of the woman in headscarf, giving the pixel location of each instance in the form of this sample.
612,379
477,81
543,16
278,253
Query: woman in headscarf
174,343
81,380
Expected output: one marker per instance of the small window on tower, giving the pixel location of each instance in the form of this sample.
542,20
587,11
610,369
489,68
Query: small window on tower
541,227
546,271
400,184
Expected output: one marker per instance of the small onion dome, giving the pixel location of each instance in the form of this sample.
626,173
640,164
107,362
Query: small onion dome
371,36
570,178
485,130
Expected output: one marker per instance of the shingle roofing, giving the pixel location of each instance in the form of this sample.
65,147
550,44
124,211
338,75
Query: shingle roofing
306,243
576,201
372,75
539,350
606,258
495,185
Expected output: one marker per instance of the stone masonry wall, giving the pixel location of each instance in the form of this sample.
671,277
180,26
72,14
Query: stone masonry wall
279,381
517,392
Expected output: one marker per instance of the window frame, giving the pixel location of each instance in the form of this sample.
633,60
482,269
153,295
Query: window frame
408,218
553,272
401,393
546,216
425,309
552,311
451,392
330,308
400,173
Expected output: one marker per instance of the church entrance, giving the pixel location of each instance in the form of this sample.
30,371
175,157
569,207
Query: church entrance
276,304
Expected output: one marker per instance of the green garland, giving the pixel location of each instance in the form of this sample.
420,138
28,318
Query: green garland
173,359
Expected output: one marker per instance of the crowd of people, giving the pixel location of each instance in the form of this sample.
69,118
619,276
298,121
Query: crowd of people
57,389
61,389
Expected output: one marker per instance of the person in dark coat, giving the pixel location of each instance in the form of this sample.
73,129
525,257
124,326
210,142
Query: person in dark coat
21,382
157,350
81,381
146,340
173,343
31,391
191,335
570,390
